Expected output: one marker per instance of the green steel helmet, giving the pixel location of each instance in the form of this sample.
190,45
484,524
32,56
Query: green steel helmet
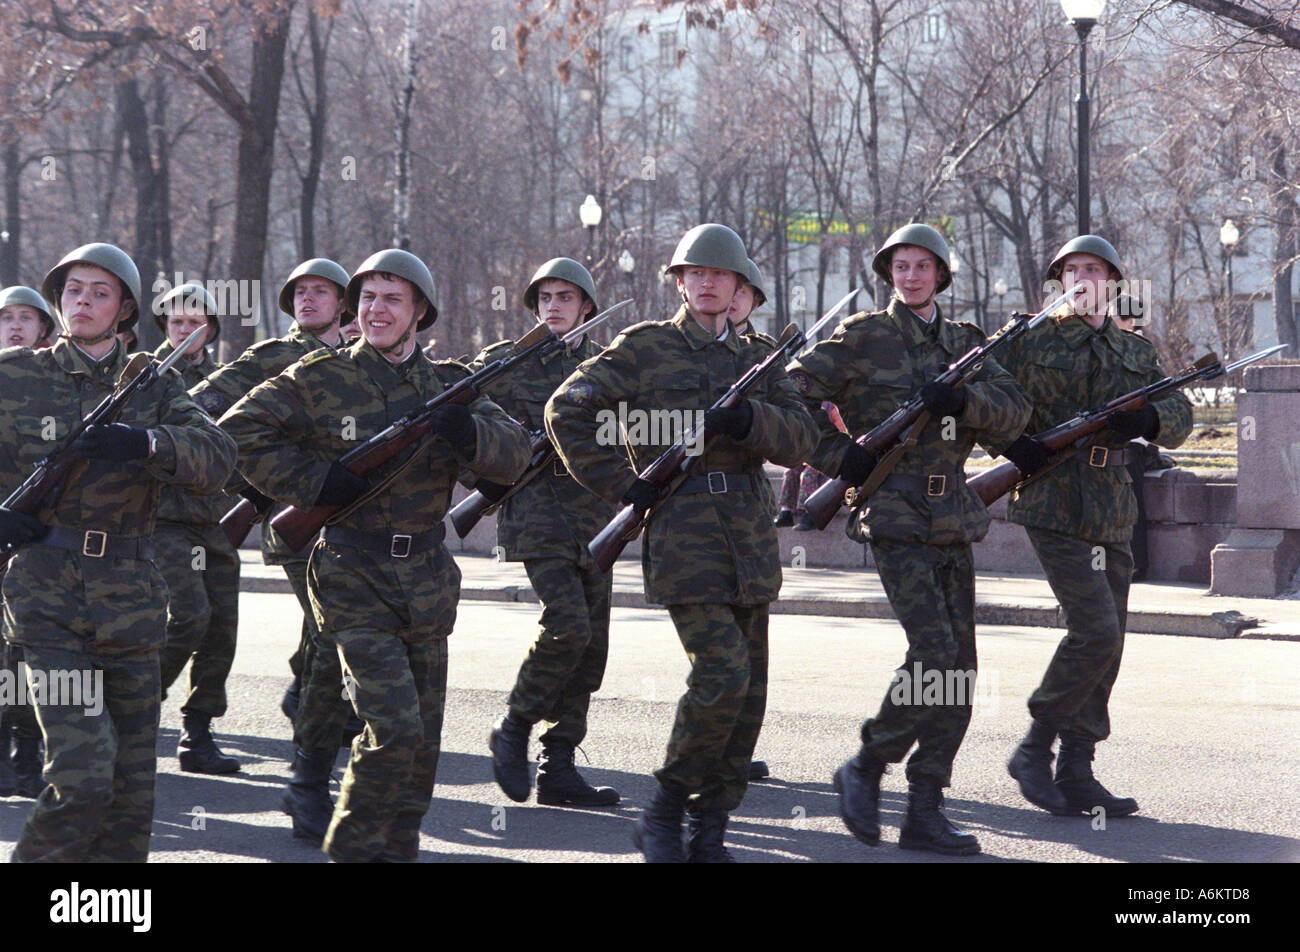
922,236
403,264
316,267
191,292
17,294
109,257
755,279
711,246
565,269
1085,244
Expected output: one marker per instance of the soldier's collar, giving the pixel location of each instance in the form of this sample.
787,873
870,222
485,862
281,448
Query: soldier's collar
1075,331
697,337
73,359
300,333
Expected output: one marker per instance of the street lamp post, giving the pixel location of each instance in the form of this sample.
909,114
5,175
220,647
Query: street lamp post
1000,289
627,264
1084,15
1228,237
589,213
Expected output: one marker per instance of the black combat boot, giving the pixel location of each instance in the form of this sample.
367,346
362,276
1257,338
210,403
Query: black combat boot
783,519
289,703
509,745
858,784
1031,766
307,800
197,751
758,770
27,765
1080,789
658,833
560,785
8,782
704,838
925,828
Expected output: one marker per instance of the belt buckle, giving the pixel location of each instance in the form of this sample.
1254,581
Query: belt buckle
101,537
558,468
722,482
930,483
1098,462
397,540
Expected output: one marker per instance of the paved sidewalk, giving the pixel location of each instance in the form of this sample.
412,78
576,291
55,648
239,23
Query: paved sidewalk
1162,608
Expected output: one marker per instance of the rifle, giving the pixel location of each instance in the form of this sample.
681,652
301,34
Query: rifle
1066,440
898,433
673,466
62,466
239,521
298,526
487,496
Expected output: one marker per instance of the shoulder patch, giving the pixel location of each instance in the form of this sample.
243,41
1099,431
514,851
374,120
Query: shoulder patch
579,393
213,401
800,380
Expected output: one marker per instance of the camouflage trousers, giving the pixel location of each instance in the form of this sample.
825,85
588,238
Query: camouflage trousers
720,715
322,703
931,589
20,719
1091,581
399,690
202,611
99,768
566,663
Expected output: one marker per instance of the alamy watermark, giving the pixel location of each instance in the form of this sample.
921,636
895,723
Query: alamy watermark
54,688
636,427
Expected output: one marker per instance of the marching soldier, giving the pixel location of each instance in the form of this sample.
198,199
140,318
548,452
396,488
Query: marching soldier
381,582
1079,517
82,594
196,559
546,525
315,703
25,321
710,552
920,522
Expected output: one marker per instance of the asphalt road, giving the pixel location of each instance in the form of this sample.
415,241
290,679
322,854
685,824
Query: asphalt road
1205,737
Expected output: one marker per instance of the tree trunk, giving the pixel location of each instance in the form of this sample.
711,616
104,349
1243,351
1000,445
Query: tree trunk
402,195
148,224
11,242
253,181
1284,255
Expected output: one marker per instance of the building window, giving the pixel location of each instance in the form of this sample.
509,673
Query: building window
626,54
667,120
667,49
934,26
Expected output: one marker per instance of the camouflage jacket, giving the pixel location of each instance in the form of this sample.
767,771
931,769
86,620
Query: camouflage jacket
870,365
58,598
224,387
698,547
1066,367
553,516
290,428
175,504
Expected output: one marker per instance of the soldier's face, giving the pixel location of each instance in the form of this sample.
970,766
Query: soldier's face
561,305
20,326
708,291
915,275
742,304
350,331
184,321
91,302
317,304
1094,274
386,310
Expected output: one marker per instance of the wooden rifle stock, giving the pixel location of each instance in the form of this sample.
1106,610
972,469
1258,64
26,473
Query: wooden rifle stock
467,513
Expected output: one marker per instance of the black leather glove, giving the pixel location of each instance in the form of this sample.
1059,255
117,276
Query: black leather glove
491,491
341,487
857,465
455,424
1028,454
18,528
734,422
1130,424
260,502
942,400
116,441
641,495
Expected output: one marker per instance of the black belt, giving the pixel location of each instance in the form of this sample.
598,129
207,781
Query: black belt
98,545
932,484
1099,457
717,483
399,545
